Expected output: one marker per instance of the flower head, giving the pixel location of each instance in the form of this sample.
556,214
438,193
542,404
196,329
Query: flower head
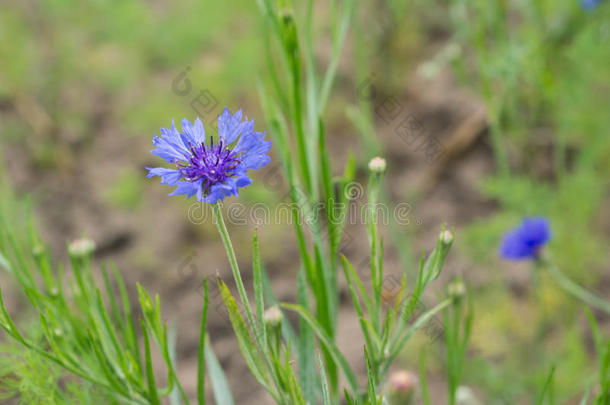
589,4
211,171
525,241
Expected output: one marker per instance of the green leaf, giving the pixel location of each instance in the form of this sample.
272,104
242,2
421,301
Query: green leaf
324,380
370,378
349,270
364,326
244,339
327,343
258,290
5,263
594,330
113,302
398,343
349,400
150,375
131,338
222,391
436,260
339,34
305,345
547,389
7,323
107,329
115,381
201,349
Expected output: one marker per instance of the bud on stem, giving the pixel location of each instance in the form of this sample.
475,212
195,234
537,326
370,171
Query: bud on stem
272,318
402,388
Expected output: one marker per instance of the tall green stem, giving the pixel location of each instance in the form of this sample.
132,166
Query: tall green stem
226,241
576,290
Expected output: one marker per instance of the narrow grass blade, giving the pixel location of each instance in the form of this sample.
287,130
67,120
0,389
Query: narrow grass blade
305,345
328,344
258,290
201,348
324,381
547,390
244,339
150,375
222,391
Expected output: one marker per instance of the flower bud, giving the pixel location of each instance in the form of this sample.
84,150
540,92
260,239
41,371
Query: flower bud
38,250
434,263
81,247
446,237
465,396
402,388
377,165
456,289
273,316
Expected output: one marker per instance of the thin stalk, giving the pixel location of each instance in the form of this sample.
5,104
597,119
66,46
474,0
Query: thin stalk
226,241
376,277
201,348
576,290
496,135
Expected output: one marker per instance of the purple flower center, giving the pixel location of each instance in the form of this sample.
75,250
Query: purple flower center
211,163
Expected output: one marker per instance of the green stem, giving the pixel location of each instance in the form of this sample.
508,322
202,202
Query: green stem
576,290
376,276
201,347
226,241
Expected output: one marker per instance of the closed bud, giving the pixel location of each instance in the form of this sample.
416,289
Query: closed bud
38,250
446,237
81,247
377,165
273,316
402,388
465,396
456,289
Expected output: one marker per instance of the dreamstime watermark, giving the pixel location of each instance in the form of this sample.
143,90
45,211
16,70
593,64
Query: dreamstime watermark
406,125
290,213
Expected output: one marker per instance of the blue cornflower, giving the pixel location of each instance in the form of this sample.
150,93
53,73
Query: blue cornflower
525,241
589,4
210,171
